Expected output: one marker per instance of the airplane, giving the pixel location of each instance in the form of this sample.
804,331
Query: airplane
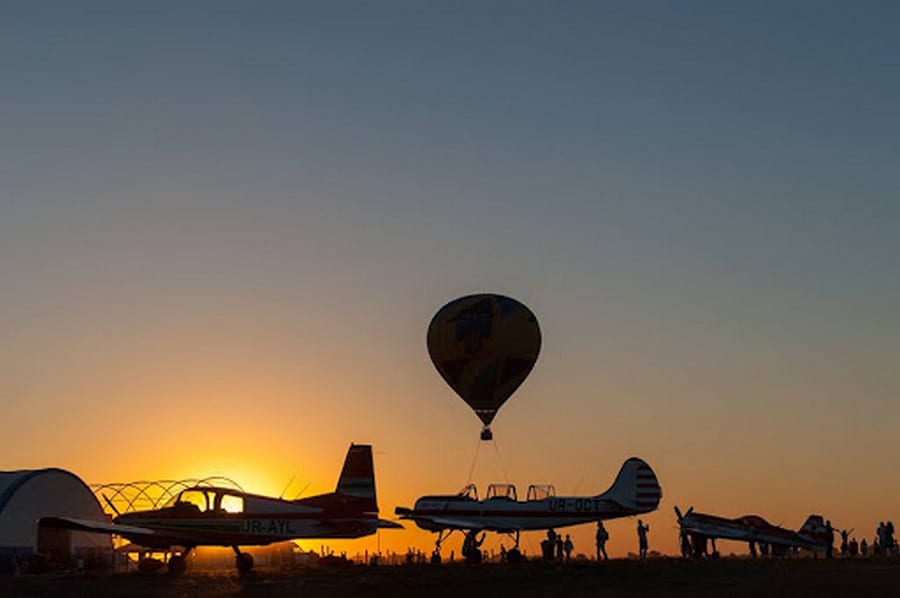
697,528
213,516
634,491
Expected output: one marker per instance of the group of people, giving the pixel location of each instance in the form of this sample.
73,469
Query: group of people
554,548
602,537
884,543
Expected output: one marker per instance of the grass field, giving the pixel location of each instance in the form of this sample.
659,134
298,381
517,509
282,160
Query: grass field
669,577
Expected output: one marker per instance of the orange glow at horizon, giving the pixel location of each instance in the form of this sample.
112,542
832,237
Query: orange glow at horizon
261,399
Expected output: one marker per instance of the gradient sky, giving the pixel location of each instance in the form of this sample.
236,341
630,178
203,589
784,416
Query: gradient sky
224,228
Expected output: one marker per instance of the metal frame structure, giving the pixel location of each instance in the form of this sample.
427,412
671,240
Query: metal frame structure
125,497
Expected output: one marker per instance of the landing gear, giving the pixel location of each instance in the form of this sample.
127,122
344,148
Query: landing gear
514,555
177,566
436,553
486,433
242,560
178,563
471,549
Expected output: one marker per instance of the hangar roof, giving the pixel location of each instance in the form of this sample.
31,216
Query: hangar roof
11,481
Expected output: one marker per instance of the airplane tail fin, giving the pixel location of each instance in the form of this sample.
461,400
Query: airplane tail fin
636,487
358,476
814,530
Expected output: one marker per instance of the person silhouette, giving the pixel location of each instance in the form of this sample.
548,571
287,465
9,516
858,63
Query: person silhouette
642,539
602,537
549,545
568,546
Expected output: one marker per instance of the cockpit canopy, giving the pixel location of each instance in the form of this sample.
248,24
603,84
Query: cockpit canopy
502,491
470,492
508,492
541,491
208,500
755,521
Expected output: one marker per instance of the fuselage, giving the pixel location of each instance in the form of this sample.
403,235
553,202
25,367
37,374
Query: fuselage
262,520
436,513
750,528
634,491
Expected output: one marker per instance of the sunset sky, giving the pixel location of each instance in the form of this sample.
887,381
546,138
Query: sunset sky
225,227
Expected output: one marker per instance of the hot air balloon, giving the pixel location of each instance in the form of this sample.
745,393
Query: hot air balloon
484,347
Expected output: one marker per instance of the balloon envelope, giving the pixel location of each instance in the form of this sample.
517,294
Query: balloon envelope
484,346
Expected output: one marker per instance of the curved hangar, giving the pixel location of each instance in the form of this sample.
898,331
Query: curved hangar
28,495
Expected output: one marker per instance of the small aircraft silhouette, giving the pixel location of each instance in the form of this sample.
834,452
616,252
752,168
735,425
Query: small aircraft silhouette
697,528
635,491
211,516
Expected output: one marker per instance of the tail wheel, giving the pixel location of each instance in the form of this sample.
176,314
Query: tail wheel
244,562
177,565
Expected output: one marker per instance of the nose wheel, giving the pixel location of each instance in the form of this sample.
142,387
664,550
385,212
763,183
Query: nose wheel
436,554
514,555
178,563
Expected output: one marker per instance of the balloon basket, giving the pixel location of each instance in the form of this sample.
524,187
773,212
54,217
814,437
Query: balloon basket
486,434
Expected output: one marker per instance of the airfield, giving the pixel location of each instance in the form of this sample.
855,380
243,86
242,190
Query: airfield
661,576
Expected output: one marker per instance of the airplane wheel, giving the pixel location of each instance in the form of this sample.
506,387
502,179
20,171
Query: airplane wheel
177,565
435,558
514,556
244,562
149,566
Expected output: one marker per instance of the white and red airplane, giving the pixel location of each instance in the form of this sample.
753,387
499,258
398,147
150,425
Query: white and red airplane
209,516
635,491
697,528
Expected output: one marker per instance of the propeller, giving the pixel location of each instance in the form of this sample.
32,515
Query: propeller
679,515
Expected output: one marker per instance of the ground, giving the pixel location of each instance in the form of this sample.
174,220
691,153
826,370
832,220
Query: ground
668,577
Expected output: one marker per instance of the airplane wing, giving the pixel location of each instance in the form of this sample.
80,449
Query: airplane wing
443,522
98,527
139,535
451,522
482,524
461,523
